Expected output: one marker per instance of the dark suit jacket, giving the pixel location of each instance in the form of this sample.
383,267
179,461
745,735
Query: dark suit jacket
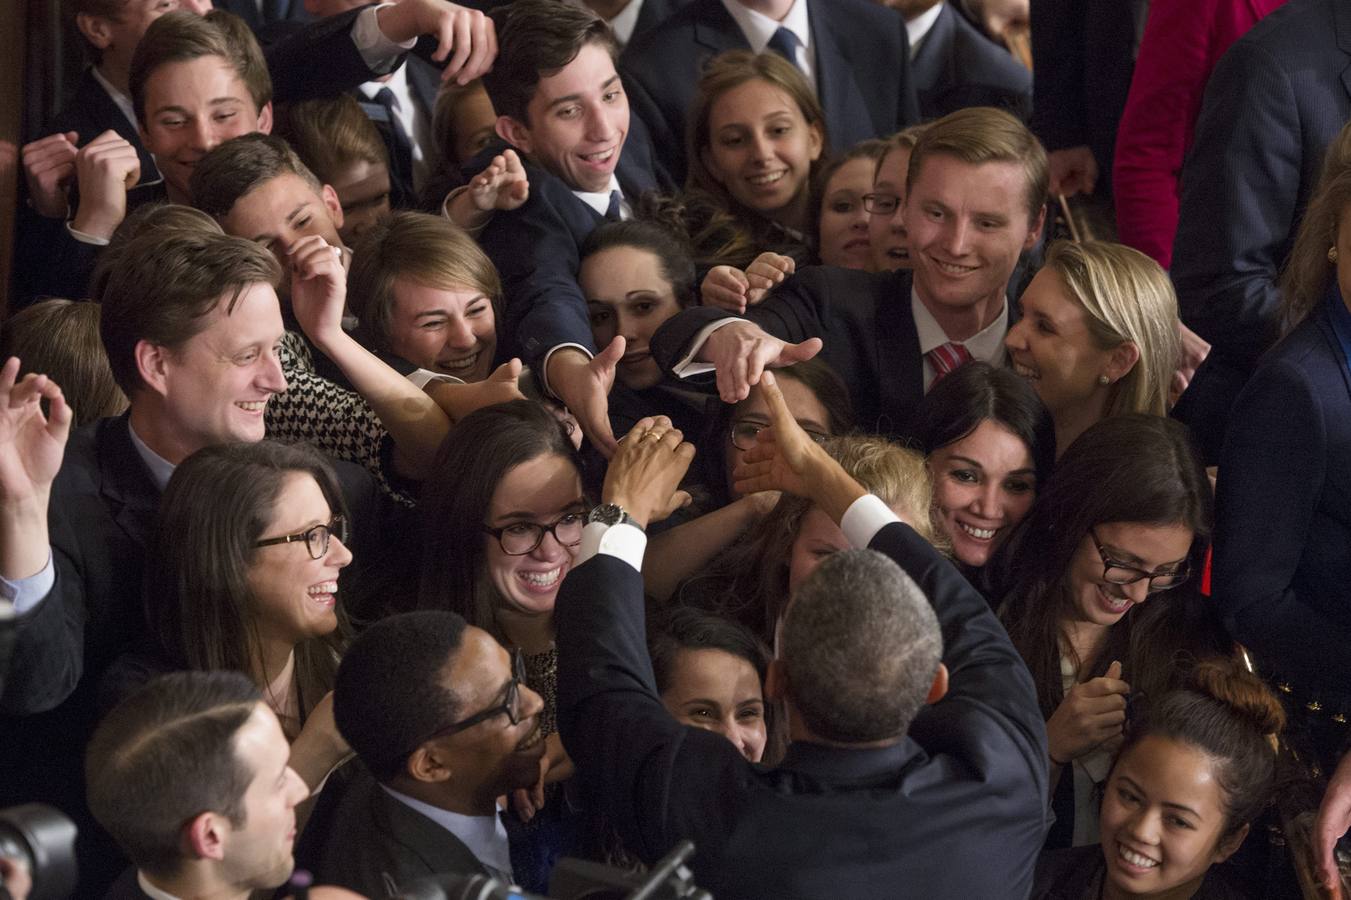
424,79
653,13
1282,569
1272,106
956,66
126,887
537,249
865,322
90,111
273,11
862,71
374,840
955,809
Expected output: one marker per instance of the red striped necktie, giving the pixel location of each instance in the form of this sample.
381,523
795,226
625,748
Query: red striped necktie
947,357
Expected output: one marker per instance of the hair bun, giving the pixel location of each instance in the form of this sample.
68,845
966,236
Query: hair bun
1246,695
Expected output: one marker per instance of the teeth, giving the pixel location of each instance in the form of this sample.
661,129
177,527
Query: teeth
952,269
328,587
983,534
602,156
535,737
1135,859
463,364
251,405
1115,604
542,579
1024,371
761,180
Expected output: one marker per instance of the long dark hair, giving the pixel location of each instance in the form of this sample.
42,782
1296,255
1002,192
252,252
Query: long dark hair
478,452
197,599
668,244
977,392
1132,468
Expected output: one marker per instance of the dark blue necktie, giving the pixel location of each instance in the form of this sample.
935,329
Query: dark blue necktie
784,43
613,212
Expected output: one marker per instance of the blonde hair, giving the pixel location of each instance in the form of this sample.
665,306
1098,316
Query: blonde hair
422,248
1128,297
331,133
983,134
897,475
1308,271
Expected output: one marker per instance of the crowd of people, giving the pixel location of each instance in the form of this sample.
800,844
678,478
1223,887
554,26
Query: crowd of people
439,440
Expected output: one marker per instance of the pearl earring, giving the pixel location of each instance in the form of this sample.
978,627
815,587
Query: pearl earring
1332,254
1104,380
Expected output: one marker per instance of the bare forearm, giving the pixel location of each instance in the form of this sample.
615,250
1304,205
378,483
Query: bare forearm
675,555
24,545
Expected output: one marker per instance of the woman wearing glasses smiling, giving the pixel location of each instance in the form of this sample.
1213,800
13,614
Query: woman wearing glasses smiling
242,574
1100,599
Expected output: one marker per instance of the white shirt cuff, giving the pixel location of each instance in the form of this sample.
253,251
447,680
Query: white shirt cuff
687,366
378,52
864,518
27,593
621,541
544,369
85,238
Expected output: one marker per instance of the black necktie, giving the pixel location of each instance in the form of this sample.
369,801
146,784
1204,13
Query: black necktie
402,145
614,212
784,43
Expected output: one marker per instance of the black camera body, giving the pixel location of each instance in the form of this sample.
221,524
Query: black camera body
43,839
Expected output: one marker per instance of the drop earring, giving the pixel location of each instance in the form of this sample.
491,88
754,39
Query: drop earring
1332,254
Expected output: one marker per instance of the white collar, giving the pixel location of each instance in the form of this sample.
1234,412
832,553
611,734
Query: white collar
122,101
397,83
485,836
986,344
161,470
150,890
625,21
917,29
759,28
600,200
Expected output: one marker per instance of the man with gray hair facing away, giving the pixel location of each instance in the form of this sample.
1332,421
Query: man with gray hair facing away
918,759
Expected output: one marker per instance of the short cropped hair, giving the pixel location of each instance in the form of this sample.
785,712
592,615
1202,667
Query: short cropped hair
165,755
60,339
536,39
330,134
170,281
182,36
239,166
391,691
429,250
983,134
861,647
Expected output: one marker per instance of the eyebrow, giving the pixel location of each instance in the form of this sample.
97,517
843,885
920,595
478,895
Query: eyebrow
1182,806
182,110
573,98
527,515
1025,470
441,312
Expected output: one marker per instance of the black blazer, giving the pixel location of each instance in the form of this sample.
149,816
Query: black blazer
126,887
955,809
537,249
865,322
273,11
374,843
862,71
956,66
1276,100
1282,568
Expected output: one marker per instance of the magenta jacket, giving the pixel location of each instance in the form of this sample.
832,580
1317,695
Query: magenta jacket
1183,41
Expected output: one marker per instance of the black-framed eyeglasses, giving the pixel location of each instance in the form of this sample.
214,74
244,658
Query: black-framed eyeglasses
510,706
520,538
315,537
745,433
1114,572
882,203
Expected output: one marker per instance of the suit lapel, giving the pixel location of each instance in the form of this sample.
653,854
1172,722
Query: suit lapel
839,95
932,63
104,113
899,361
423,81
436,849
126,484
715,29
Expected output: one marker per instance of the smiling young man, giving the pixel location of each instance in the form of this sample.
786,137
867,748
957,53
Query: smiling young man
562,106
975,197
190,775
439,714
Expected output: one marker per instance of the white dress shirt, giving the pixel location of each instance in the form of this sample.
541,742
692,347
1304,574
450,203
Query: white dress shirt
986,344
415,121
759,28
485,836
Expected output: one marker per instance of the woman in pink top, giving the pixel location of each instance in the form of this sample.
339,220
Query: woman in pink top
1183,41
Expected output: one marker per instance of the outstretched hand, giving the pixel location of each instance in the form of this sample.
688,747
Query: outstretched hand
741,351
459,400
644,475
584,387
31,443
501,186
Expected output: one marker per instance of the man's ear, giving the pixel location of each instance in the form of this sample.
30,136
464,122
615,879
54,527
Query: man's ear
1121,360
1034,233
939,689
333,205
205,836
516,133
776,681
265,118
95,29
429,764
152,362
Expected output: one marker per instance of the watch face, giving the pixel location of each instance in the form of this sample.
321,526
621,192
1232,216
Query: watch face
607,513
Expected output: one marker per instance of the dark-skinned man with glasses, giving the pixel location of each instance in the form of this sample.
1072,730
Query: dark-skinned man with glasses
440,716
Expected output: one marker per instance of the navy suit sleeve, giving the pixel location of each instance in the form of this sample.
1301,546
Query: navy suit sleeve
656,780
536,251
317,60
988,680
1273,472
1239,190
49,261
